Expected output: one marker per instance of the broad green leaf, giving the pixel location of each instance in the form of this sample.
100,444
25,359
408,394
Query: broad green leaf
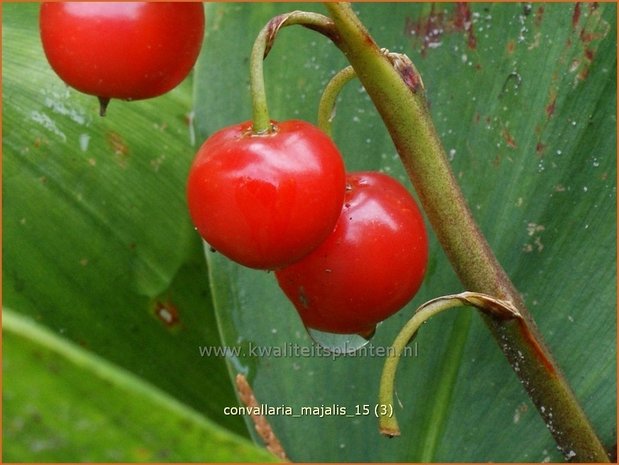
62,403
523,97
97,244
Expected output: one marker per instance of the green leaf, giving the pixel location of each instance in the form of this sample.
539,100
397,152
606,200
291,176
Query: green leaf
523,97
97,243
64,404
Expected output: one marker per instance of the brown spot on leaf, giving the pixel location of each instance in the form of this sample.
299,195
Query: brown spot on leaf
550,108
167,313
576,15
586,36
117,143
464,22
586,39
119,147
511,46
508,138
584,73
431,28
539,16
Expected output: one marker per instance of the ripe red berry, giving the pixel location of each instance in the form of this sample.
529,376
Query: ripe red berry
124,50
369,267
266,201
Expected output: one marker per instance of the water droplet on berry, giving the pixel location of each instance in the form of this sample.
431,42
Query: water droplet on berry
340,344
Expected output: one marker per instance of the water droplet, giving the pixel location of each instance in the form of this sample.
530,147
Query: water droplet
340,343
49,124
84,141
540,166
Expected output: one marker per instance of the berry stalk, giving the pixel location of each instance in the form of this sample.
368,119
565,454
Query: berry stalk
503,310
326,107
262,47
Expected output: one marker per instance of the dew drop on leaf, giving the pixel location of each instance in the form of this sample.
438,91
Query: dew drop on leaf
339,344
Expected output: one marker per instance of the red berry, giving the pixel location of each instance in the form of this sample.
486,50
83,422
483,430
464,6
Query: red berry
266,201
369,267
125,50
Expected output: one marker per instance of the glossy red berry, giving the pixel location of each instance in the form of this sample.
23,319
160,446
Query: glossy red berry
369,267
124,50
266,201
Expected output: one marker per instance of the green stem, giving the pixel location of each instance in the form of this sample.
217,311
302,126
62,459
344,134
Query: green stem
262,45
326,107
388,422
397,93
260,116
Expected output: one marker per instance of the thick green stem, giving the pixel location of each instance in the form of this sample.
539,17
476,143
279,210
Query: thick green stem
397,93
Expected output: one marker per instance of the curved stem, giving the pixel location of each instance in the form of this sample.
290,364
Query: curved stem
326,107
260,110
388,423
397,93
262,45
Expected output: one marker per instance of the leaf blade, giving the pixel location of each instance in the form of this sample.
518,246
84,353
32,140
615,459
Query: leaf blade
91,410
492,100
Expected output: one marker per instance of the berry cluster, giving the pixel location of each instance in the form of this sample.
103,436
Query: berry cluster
348,250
